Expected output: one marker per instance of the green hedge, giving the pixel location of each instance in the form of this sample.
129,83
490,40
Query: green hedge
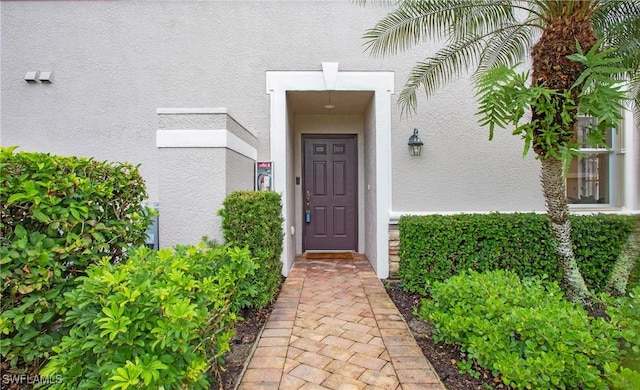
159,320
254,219
525,331
434,248
624,313
59,215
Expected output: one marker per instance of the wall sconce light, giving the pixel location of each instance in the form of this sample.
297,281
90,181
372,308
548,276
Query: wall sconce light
415,144
32,76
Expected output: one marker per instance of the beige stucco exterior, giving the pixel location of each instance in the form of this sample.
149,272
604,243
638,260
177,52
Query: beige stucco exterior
127,75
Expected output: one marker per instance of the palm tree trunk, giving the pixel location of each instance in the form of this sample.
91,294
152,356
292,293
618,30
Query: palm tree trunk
553,69
554,187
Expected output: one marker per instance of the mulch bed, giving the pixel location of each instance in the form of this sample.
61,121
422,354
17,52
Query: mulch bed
247,332
442,356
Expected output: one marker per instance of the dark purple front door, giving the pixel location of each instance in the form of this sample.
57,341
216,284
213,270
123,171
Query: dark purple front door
330,192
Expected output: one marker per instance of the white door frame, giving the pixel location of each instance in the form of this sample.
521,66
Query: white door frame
329,78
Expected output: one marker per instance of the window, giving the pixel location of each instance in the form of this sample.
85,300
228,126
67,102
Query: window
593,178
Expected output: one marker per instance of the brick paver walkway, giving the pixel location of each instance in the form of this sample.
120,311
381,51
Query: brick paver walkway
334,327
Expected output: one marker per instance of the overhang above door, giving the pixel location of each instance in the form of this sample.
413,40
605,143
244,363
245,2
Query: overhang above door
313,102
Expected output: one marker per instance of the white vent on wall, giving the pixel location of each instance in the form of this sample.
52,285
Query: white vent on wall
31,76
46,77
34,77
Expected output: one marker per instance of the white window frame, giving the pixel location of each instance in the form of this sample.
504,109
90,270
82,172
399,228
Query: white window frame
615,172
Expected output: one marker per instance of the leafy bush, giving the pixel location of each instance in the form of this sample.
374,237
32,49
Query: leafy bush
625,315
58,216
523,330
160,320
598,242
625,272
253,219
435,247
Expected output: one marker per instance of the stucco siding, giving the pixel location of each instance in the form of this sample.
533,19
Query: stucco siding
291,206
115,63
239,172
370,199
241,132
191,188
460,169
195,121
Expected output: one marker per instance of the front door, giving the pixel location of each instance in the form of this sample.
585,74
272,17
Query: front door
330,192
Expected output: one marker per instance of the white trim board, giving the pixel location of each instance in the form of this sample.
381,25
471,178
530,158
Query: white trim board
204,139
191,110
630,166
330,78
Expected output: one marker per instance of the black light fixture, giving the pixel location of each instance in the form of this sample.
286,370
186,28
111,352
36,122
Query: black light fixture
415,144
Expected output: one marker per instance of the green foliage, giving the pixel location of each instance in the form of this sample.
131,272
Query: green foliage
481,35
505,100
523,330
466,367
59,215
625,314
598,242
434,248
601,93
634,277
622,276
253,219
159,320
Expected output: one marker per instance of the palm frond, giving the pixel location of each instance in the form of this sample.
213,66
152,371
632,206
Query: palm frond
634,93
434,72
508,46
416,21
404,28
618,23
374,2
483,17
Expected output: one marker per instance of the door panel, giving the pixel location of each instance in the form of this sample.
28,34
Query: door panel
330,192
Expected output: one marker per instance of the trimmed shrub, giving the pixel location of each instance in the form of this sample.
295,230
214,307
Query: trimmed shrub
434,248
159,320
625,314
598,242
254,219
58,216
523,330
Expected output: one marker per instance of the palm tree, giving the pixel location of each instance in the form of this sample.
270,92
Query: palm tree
481,35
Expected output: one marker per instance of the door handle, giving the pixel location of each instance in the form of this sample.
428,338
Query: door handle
307,211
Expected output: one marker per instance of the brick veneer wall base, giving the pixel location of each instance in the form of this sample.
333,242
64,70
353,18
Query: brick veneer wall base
394,248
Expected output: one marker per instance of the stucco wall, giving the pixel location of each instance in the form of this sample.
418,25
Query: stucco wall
370,199
116,62
191,188
460,169
200,163
240,172
291,204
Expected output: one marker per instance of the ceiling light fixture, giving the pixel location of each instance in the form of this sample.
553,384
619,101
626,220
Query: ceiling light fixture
329,106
